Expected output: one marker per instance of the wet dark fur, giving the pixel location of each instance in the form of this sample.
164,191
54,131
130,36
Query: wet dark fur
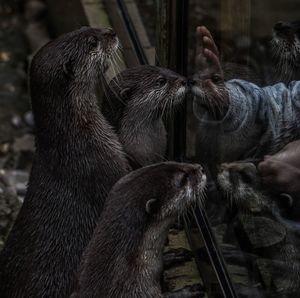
124,257
272,63
137,100
210,93
286,50
240,184
77,161
269,145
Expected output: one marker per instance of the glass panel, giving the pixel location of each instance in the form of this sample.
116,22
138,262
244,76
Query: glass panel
147,10
232,126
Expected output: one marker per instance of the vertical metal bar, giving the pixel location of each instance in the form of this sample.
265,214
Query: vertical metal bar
173,51
214,254
181,21
132,33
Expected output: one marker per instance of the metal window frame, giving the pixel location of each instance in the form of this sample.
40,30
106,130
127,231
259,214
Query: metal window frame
127,22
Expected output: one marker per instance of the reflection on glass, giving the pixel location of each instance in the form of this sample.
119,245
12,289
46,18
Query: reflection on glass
147,10
266,243
233,124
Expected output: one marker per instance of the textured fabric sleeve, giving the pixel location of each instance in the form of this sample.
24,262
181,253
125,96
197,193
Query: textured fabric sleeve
255,115
274,106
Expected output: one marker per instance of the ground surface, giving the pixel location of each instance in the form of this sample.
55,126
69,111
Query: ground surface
18,21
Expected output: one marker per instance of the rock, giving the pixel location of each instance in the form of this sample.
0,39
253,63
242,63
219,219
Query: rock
4,149
16,121
9,208
16,182
24,143
29,119
193,291
176,256
4,56
263,231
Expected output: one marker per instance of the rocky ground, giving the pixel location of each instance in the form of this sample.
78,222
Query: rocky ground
21,33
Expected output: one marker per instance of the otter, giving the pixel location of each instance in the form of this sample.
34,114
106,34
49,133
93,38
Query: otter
211,74
137,100
286,50
124,257
78,159
239,181
272,238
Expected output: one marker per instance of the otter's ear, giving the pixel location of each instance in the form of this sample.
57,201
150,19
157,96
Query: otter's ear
68,69
151,206
125,92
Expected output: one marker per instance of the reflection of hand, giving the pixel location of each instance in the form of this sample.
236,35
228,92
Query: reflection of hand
208,81
281,172
207,54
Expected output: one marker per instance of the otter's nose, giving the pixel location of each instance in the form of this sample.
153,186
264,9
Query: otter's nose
108,32
191,82
281,26
184,83
198,169
220,168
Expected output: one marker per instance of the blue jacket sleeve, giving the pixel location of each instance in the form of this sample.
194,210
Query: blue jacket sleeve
255,115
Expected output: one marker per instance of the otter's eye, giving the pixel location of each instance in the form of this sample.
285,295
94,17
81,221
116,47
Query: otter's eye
160,82
93,41
181,179
216,78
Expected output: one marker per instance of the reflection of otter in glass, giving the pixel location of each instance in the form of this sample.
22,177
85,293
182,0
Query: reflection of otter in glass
271,240
250,117
286,49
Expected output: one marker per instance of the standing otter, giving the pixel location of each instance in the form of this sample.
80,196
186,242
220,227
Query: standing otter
124,257
239,182
286,49
272,238
78,159
137,100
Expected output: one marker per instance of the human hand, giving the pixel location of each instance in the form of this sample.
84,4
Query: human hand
207,53
281,171
208,81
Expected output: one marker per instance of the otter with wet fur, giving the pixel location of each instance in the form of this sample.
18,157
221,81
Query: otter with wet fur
137,100
124,257
286,50
273,238
78,159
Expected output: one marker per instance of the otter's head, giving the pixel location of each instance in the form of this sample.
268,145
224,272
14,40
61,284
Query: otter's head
240,183
76,56
286,44
145,91
209,93
160,192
